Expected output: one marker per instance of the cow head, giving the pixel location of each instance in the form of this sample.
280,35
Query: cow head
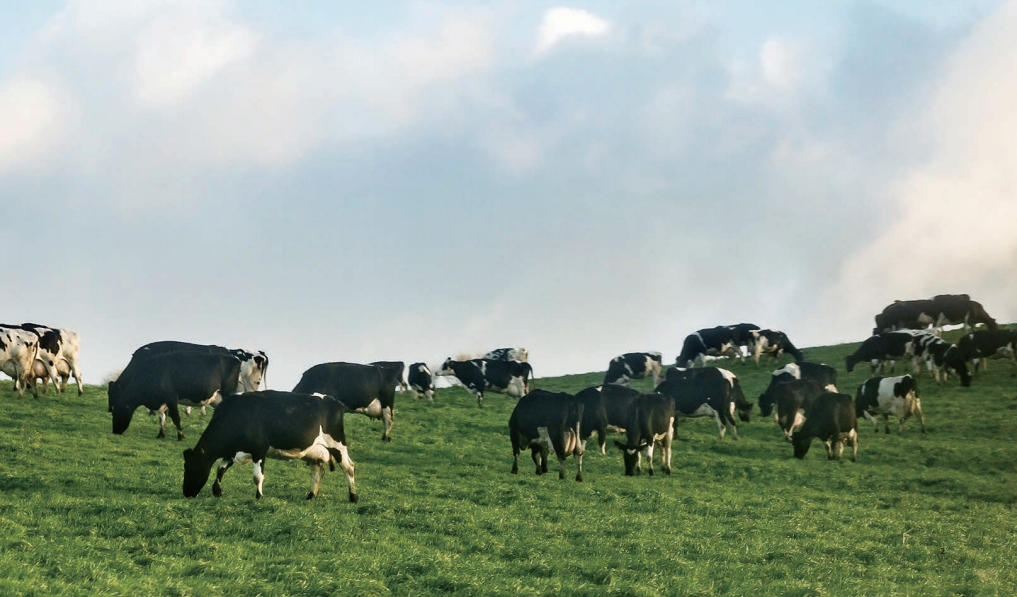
765,404
446,368
850,361
631,456
197,467
801,444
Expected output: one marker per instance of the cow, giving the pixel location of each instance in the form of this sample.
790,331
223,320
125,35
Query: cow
709,396
508,354
941,357
480,375
897,396
888,346
67,362
983,344
46,358
833,420
707,342
792,399
18,351
253,364
940,310
162,382
633,365
396,369
270,424
364,389
651,420
823,375
421,380
605,407
774,343
547,422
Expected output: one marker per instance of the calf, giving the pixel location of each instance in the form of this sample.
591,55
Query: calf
821,374
364,389
983,344
421,381
270,424
774,343
651,420
605,407
162,382
633,365
897,396
709,396
480,375
18,350
832,419
941,357
508,354
547,422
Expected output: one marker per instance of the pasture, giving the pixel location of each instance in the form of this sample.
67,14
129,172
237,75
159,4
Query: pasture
84,512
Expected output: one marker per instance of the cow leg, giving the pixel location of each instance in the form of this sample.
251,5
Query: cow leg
918,413
649,458
535,456
415,395
77,379
579,450
387,416
219,473
720,424
187,410
430,395
853,438
829,448
174,413
259,478
346,463
317,472
886,423
162,422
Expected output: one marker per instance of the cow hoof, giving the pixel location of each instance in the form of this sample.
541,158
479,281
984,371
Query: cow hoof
386,438
160,436
354,498
561,475
515,470
579,478
180,437
257,496
310,495
217,490
650,472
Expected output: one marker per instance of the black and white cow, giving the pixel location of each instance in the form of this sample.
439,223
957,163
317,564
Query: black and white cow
888,346
547,422
480,375
941,357
67,361
897,396
18,350
832,419
162,382
396,369
605,407
984,344
708,342
792,400
651,420
421,380
773,343
364,389
821,374
940,310
633,365
270,424
46,358
714,396
508,354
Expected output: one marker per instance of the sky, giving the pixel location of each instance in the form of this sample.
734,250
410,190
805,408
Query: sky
408,181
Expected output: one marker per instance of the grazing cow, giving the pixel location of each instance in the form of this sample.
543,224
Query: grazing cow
709,396
774,343
888,346
508,354
270,424
823,375
364,389
421,381
547,422
480,375
605,407
162,382
983,344
18,350
395,372
897,396
708,342
48,355
651,420
633,365
833,420
253,364
793,400
941,357
940,310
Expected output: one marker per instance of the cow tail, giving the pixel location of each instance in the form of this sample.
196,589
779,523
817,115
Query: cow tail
533,380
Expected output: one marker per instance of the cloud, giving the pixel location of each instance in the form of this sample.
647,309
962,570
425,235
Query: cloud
560,23
32,121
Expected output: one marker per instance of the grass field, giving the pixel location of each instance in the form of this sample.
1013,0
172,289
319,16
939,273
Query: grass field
84,512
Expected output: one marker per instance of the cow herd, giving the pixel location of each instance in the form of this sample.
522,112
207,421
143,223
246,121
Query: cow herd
250,424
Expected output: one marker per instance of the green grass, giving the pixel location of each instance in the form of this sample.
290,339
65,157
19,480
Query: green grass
84,512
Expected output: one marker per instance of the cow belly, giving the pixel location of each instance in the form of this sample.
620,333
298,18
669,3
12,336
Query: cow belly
372,410
317,451
212,400
704,410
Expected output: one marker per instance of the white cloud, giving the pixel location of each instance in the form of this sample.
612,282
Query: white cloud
32,121
560,23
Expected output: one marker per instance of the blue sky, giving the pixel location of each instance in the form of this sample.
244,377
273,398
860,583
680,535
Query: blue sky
337,181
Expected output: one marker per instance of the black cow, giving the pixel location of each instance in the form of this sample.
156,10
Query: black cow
508,354
823,375
774,343
421,380
480,375
793,399
270,424
709,396
941,357
897,396
162,382
983,344
253,364
547,422
940,310
832,419
633,365
888,346
395,369
364,389
651,420
605,407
